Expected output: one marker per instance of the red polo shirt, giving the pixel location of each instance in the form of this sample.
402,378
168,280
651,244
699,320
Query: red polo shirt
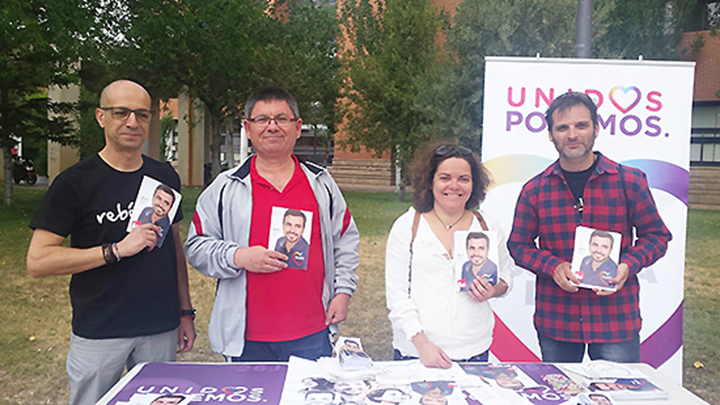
287,304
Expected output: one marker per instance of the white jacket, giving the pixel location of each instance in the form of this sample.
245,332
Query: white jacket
221,224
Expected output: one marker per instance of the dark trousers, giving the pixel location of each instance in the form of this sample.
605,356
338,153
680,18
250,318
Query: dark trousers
556,351
309,347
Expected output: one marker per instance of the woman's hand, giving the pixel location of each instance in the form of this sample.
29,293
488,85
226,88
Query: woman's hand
481,290
430,355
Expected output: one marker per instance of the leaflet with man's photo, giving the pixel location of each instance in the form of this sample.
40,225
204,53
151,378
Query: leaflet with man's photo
475,256
290,231
155,203
595,257
506,376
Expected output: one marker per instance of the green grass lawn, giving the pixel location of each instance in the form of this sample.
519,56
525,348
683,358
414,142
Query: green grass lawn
35,327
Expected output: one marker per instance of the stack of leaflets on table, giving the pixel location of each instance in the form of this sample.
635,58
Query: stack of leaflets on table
626,388
351,355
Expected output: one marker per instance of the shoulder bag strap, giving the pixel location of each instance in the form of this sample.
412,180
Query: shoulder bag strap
416,222
480,218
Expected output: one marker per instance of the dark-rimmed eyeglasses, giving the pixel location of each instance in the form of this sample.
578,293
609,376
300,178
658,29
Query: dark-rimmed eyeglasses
122,113
444,150
280,120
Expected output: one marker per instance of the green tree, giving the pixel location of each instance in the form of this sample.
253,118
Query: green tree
391,48
307,62
40,42
211,48
452,101
651,28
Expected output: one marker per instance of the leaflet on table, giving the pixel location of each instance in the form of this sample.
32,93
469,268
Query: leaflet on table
187,383
155,203
626,388
392,383
603,369
535,383
595,399
596,255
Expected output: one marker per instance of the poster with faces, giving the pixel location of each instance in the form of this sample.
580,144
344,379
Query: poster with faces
476,255
596,255
155,203
290,231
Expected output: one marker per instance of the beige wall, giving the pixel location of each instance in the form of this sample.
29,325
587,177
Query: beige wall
61,157
193,140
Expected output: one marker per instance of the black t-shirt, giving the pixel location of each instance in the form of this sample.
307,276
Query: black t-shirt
577,180
137,296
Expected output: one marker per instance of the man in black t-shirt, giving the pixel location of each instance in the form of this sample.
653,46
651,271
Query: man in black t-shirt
130,298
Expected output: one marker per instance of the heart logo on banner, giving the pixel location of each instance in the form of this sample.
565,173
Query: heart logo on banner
619,99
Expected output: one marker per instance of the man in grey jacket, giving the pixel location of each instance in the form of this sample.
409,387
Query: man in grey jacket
265,311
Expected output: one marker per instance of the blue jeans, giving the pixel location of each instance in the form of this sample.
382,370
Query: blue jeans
556,351
309,347
480,358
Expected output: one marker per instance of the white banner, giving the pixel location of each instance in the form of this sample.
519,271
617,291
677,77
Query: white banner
644,113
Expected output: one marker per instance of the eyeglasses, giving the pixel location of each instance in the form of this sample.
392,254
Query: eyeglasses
444,150
280,120
122,113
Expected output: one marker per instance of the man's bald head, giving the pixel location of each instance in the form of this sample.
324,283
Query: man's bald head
120,86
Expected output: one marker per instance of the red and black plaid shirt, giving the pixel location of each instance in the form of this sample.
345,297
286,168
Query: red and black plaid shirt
545,209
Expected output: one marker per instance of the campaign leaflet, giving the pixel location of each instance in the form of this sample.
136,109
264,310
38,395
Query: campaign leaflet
475,255
155,203
626,388
290,234
534,383
186,383
596,255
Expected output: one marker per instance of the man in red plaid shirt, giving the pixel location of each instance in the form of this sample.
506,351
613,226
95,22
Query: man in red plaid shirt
585,188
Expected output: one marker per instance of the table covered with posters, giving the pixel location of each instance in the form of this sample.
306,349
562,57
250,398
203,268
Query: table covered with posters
303,382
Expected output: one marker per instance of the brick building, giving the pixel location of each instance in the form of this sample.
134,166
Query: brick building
703,48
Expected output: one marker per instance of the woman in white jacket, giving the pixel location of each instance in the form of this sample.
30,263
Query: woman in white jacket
431,318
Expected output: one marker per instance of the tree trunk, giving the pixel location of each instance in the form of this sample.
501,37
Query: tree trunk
399,175
8,166
216,141
400,182
7,152
230,143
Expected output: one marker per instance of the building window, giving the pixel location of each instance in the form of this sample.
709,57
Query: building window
705,140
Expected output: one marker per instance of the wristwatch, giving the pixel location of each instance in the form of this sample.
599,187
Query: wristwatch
188,313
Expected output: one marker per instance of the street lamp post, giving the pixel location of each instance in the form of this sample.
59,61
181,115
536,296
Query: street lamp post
583,33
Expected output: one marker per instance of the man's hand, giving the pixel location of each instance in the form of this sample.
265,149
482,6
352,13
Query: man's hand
430,355
338,309
186,335
258,259
141,237
563,277
481,290
623,271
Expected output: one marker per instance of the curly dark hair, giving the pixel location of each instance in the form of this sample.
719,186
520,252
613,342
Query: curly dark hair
425,164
